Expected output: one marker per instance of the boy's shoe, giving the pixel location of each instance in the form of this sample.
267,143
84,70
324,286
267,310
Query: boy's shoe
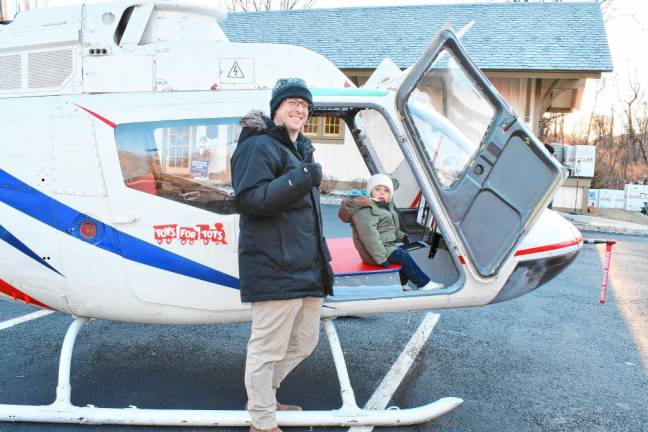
409,286
432,286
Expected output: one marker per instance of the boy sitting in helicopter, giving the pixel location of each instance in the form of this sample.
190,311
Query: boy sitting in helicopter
376,233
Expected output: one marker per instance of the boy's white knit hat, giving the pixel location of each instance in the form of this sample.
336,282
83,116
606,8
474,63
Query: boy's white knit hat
380,180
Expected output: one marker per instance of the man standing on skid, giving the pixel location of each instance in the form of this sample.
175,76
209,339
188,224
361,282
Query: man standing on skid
283,258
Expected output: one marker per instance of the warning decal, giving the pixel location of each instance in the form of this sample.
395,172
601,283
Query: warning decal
236,71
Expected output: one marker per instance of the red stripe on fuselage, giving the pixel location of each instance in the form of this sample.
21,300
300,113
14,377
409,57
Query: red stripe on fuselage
550,247
539,249
100,117
16,294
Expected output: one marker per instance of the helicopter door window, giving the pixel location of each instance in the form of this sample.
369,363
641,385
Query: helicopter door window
388,157
186,160
451,116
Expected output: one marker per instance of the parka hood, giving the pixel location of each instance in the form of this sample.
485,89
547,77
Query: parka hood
352,204
256,123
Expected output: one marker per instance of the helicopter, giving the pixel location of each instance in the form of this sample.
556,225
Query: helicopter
116,200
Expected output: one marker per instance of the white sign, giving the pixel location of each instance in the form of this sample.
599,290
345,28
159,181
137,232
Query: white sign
236,71
580,159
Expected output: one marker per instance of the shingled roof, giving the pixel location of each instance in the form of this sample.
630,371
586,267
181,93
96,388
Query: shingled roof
505,36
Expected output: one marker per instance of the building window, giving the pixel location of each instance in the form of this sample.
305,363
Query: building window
331,126
311,128
178,147
325,129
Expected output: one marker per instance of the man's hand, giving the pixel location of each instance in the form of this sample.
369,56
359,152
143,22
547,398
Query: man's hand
314,170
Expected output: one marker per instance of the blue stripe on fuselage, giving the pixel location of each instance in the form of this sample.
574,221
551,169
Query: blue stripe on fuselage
22,247
49,211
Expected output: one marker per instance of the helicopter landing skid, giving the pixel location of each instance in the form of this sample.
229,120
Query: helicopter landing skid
62,410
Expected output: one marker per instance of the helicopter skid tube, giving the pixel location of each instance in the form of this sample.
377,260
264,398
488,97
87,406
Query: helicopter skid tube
144,417
62,410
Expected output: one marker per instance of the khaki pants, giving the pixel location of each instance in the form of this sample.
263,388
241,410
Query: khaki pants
284,332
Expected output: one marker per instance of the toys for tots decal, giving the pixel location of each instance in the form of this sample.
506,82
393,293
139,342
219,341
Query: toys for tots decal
202,233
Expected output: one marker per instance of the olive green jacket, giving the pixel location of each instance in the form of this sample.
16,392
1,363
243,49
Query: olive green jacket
375,225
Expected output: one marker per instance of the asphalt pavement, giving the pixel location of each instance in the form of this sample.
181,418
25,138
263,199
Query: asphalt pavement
553,360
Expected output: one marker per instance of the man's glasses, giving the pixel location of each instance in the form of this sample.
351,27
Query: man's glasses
294,103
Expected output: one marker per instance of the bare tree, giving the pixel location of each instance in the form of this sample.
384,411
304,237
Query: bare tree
552,127
642,132
600,86
608,151
264,5
629,132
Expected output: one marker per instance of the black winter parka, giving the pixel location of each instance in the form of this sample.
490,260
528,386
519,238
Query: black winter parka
282,250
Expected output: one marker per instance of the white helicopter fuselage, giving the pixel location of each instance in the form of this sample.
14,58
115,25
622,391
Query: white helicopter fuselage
78,239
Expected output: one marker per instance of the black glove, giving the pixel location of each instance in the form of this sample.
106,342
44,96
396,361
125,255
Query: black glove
406,240
385,264
314,170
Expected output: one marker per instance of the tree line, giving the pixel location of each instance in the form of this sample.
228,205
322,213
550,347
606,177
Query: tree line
620,136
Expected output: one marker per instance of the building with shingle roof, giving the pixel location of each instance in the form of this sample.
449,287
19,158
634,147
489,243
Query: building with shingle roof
538,55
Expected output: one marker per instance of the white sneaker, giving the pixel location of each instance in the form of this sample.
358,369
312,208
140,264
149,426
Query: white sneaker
432,286
409,286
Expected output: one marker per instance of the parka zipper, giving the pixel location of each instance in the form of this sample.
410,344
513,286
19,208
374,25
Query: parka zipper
318,218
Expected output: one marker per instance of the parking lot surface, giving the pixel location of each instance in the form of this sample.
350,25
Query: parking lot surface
553,360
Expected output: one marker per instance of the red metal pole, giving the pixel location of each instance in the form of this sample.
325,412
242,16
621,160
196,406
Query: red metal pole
606,263
606,270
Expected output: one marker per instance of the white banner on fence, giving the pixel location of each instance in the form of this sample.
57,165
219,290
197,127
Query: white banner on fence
610,198
635,196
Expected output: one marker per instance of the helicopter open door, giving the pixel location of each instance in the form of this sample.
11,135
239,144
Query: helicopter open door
486,173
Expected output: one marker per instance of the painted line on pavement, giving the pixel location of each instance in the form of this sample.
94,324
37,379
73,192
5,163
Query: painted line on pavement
21,319
399,369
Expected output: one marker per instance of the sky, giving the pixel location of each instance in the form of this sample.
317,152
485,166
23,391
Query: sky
626,25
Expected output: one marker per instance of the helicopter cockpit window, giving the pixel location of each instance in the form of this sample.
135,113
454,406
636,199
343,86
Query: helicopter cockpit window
451,115
186,161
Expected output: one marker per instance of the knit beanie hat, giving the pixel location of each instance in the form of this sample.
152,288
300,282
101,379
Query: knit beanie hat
290,88
380,180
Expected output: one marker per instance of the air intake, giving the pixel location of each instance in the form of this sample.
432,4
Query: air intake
49,69
10,76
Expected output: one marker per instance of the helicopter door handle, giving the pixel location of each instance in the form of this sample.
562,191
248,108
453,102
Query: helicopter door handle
125,219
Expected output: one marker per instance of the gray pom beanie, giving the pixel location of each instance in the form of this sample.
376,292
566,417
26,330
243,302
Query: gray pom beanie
290,88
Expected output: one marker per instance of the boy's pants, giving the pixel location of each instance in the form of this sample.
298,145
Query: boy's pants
284,332
409,269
